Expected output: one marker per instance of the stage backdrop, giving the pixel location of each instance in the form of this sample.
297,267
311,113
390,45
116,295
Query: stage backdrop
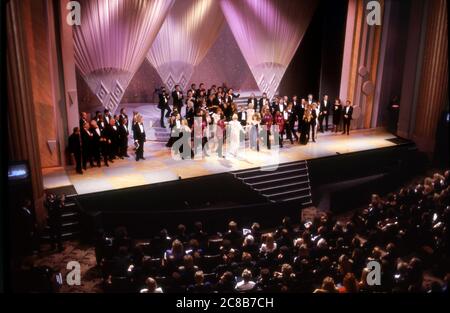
112,41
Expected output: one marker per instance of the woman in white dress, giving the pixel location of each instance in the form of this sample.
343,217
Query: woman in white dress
235,129
316,108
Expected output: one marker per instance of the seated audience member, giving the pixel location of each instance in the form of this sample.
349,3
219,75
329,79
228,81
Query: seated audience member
269,246
174,257
226,283
350,284
188,270
246,284
249,246
328,286
234,235
151,286
200,286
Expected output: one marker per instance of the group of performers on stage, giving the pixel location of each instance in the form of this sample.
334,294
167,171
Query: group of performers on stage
210,116
216,111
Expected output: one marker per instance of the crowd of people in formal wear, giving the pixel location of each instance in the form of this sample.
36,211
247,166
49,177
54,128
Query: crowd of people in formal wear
216,116
406,233
293,119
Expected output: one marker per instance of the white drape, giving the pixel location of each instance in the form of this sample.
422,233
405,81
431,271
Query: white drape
268,33
191,28
112,41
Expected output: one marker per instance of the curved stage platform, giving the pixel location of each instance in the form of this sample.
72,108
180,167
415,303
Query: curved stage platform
159,165
147,196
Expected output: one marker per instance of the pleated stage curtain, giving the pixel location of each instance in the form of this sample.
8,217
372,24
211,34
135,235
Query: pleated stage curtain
191,28
268,33
112,41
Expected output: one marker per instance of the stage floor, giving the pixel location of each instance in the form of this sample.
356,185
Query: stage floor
159,165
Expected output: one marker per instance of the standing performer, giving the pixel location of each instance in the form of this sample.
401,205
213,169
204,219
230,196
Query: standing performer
139,137
235,128
177,96
267,121
337,110
324,110
75,148
254,131
279,121
86,143
289,119
347,115
163,105
306,124
123,137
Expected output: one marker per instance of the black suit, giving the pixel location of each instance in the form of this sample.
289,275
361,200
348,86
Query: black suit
139,137
122,117
242,117
177,100
261,104
75,148
163,105
112,136
299,110
87,141
347,116
123,140
96,145
324,112
290,125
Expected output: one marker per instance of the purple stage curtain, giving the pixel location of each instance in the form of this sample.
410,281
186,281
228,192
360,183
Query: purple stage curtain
268,33
112,41
191,28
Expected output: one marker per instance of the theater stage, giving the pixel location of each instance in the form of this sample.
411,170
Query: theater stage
159,165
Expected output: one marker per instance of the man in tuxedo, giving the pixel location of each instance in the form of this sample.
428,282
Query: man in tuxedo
75,148
123,116
139,137
299,110
111,133
242,116
177,96
262,102
83,119
98,144
347,114
163,105
86,143
289,119
107,116
229,99
194,90
123,139
253,101
324,111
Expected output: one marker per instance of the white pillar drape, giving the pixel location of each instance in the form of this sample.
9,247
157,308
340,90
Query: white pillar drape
268,33
191,28
112,41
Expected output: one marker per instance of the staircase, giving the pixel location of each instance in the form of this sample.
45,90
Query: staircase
70,215
289,182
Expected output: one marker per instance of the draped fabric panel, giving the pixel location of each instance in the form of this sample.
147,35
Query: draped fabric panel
191,28
268,33
112,41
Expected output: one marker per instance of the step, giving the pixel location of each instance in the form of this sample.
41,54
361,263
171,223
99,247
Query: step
289,185
69,214
283,193
298,198
68,224
300,164
287,182
255,184
275,177
274,173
